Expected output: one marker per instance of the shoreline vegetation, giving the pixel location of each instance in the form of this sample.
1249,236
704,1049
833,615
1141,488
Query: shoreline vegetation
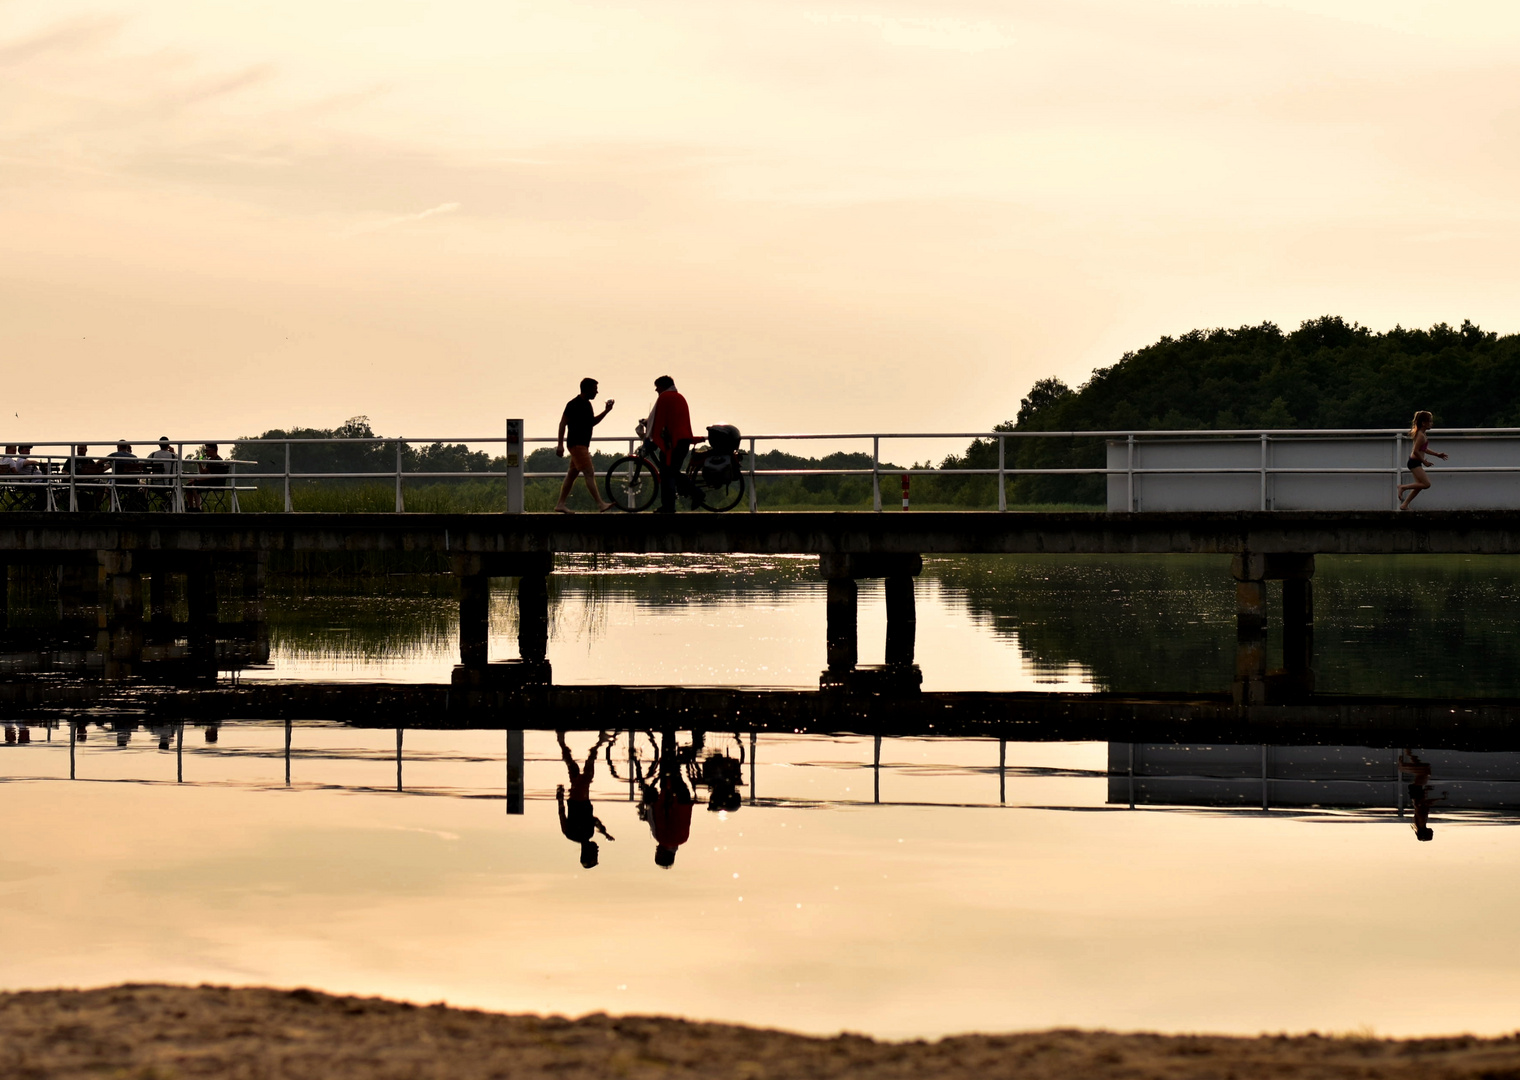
156,1032
1326,374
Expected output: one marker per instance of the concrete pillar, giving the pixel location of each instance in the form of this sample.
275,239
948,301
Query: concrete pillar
1252,571
843,643
902,620
533,616
474,619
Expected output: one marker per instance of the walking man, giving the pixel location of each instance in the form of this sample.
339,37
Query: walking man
669,425
575,428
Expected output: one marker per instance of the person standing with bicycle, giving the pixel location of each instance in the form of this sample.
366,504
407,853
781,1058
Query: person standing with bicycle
669,428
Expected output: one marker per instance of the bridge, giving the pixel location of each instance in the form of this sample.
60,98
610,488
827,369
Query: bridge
105,561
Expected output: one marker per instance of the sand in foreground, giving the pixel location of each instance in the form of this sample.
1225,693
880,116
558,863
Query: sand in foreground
164,1032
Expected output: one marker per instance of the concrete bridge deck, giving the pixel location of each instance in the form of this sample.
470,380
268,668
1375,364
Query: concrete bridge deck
30,535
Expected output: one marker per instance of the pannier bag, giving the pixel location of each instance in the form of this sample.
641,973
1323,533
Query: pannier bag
719,469
722,438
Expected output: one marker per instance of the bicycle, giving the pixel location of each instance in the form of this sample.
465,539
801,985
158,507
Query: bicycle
714,476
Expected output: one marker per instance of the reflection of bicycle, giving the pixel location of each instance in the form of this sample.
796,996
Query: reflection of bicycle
713,478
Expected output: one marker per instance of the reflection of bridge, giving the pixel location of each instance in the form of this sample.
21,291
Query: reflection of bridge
1489,725
105,559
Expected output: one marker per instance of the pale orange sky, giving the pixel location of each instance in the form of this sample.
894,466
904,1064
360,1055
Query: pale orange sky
217,218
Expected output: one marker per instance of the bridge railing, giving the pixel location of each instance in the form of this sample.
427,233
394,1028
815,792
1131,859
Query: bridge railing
1264,469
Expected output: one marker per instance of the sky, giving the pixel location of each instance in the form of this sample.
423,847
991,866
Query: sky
219,217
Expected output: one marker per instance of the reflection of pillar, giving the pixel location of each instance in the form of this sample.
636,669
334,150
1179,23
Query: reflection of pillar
474,619
123,602
1002,770
533,616
902,621
1298,624
876,772
398,759
200,598
287,751
843,646
179,753
514,772
79,601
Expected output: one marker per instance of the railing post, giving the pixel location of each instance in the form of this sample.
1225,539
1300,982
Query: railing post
1263,470
1002,477
179,479
876,473
516,452
1129,502
73,472
287,476
400,505
754,500
1398,465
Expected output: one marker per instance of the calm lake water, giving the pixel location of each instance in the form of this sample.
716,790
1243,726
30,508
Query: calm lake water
910,888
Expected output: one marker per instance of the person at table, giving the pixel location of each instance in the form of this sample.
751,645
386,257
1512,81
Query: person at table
577,819
30,472
575,425
8,463
161,461
669,426
125,463
87,495
208,463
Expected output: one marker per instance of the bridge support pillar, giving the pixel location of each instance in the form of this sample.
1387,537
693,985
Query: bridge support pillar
476,678
1254,684
842,572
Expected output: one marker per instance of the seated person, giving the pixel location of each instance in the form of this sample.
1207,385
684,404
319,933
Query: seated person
87,496
8,462
125,463
161,461
209,463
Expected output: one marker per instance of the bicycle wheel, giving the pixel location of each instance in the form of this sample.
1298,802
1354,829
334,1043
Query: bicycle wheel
632,483
724,496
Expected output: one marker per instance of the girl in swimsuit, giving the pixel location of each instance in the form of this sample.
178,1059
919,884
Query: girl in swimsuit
1419,433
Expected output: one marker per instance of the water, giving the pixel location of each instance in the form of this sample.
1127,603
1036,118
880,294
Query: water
931,893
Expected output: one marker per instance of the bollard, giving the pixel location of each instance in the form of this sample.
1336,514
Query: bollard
514,466
905,490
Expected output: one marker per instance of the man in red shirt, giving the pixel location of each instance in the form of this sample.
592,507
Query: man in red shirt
669,425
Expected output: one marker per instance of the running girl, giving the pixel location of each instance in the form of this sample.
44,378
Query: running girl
1420,434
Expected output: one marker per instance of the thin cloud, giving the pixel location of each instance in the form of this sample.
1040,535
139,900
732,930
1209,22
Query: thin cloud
441,208
69,35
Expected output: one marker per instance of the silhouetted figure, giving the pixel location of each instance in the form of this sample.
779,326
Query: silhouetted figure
722,776
667,807
1420,798
669,427
161,462
88,495
209,464
577,820
125,463
1419,434
211,732
575,425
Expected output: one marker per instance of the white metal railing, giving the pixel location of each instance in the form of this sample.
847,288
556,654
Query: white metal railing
60,479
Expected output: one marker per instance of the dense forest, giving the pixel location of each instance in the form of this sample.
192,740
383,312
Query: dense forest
1327,373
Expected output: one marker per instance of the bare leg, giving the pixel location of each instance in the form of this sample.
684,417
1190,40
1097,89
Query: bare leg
569,483
580,456
1421,482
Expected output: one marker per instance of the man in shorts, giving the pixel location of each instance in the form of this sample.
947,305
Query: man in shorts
575,429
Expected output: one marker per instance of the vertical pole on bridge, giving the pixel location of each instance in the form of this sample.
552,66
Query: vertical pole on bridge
876,473
514,772
515,459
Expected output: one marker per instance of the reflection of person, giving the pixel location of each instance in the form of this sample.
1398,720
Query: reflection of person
577,820
667,807
575,426
669,426
722,775
1420,434
1420,797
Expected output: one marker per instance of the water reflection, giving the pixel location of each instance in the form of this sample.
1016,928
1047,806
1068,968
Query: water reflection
897,885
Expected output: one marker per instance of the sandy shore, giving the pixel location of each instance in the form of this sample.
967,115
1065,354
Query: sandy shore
169,1032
